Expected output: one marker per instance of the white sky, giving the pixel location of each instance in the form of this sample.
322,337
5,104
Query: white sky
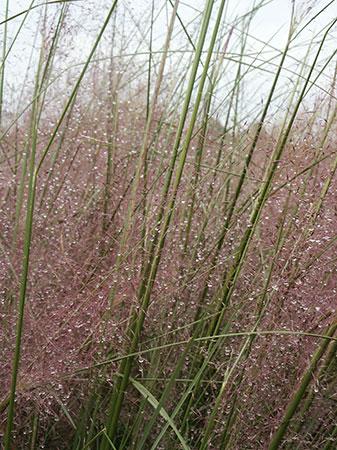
269,25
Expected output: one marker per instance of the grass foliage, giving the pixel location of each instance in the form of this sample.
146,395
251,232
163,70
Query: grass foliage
168,227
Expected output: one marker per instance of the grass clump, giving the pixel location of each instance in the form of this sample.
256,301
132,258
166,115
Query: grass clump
168,270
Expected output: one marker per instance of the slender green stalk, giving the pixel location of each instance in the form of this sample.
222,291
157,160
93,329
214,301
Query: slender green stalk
143,154
33,173
2,69
235,270
186,395
300,392
331,441
246,347
35,428
138,317
25,265
331,352
231,208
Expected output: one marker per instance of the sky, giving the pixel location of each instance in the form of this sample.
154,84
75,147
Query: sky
270,24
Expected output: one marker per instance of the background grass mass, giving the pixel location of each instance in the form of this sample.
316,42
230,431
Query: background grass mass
168,226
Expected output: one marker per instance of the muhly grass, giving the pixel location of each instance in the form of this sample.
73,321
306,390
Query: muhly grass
168,240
